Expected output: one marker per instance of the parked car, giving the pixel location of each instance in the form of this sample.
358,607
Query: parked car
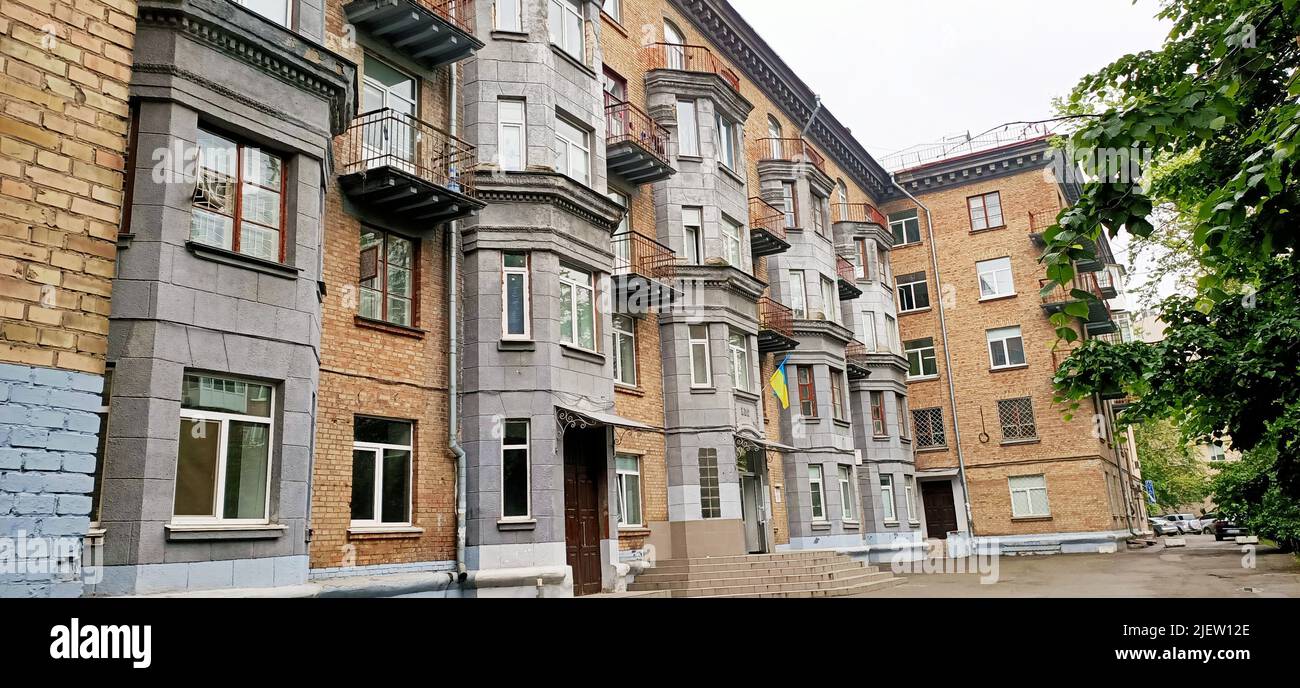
1208,521
1224,528
1186,523
1162,527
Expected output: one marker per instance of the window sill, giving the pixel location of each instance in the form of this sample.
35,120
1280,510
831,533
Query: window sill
908,244
688,157
1026,519
746,394
923,378
735,176
820,525
704,390
507,524
930,450
915,310
633,531
997,297
808,420
575,61
880,437
632,390
384,532
221,255
213,531
504,35
1000,369
988,229
851,525
582,354
843,423
890,523
516,345
391,328
913,523
1012,443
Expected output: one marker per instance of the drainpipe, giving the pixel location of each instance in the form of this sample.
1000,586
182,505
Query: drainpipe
453,347
813,117
947,354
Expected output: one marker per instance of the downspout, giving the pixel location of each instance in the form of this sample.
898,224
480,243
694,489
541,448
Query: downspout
812,117
453,346
947,354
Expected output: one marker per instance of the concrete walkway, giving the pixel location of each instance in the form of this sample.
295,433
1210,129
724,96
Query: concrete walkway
1204,568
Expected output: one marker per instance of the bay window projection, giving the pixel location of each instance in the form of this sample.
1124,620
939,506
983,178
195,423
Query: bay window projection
507,16
878,414
913,516
830,300
807,391
868,331
577,308
789,205
381,473
223,466
837,394
278,11
728,134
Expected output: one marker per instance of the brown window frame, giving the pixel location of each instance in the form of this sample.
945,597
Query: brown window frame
793,220
837,394
237,219
807,390
984,204
381,266
878,425
864,262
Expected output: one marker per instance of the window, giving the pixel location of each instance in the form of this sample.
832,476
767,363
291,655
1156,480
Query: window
622,242
887,498
278,11
1028,496
847,498
901,403
616,87
774,133
819,214
929,428
572,150
577,308
913,292
628,468
710,493
238,198
860,259
798,294
387,277
508,17
790,205
883,270
223,467
676,56
995,278
909,489
738,343
891,331
830,300
842,191
512,135
516,319
728,137
701,376
985,211
565,21
878,414
807,391
692,228
869,330
381,472
906,227
614,8
817,492
837,394
625,350
1017,419
688,129
733,238
101,450
516,466
1006,349
921,359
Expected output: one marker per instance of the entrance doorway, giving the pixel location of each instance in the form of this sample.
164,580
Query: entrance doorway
750,465
940,512
584,508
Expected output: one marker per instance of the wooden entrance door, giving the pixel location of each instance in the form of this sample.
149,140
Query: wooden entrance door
584,459
940,513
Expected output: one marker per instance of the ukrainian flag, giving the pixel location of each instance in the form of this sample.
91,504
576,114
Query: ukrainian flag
781,384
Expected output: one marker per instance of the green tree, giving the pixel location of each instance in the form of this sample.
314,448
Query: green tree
1215,110
1177,475
1247,492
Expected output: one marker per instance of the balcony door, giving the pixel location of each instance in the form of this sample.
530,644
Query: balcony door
389,98
674,53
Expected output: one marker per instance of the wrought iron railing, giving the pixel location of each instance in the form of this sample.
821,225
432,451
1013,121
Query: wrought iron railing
856,351
775,316
638,254
765,216
627,122
845,269
1085,281
1040,220
389,138
792,150
688,58
858,212
458,12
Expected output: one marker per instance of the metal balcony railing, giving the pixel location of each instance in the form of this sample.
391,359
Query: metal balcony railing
1060,295
1040,220
387,138
638,254
775,317
858,212
845,269
458,12
765,216
792,150
688,58
625,122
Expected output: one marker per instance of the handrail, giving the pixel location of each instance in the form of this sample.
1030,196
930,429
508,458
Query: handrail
1040,220
688,58
775,316
386,137
458,12
858,212
791,150
845,269
765,216
627,122
643,256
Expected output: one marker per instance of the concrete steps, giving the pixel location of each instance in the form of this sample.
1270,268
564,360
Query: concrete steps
784,574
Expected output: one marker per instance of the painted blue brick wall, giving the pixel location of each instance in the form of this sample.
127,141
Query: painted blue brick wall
49,432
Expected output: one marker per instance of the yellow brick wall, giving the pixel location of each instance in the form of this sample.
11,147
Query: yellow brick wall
64,124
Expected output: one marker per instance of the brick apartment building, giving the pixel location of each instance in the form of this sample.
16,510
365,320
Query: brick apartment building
488,293
994,455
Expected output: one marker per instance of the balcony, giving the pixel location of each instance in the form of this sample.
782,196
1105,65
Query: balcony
636,146
766,229
792,150
855,359
846,275
643,275
862,213
430,32
775,326
1099,320
403,169
1109,280
1041,220
688,58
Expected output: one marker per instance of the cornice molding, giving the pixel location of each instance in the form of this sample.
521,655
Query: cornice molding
551,188
976,167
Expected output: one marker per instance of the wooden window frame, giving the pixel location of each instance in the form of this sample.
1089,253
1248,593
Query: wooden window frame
381,265
237,219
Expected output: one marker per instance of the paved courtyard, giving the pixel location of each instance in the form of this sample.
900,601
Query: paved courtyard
1204,568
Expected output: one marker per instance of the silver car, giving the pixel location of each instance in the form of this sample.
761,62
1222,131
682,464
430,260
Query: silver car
1162,527
1186,523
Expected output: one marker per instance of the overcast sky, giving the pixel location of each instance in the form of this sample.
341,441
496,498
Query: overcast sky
900,73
